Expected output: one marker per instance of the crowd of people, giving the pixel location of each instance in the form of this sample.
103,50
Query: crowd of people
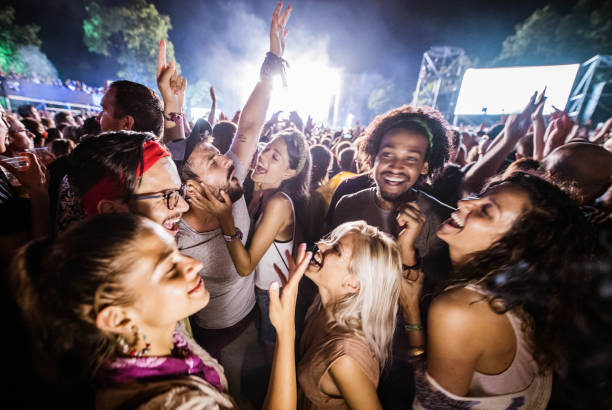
13,81
155,262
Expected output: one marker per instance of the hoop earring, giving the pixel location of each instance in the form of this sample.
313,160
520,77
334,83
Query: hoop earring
129,349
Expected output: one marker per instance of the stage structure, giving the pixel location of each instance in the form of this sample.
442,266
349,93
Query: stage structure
591,98
440,78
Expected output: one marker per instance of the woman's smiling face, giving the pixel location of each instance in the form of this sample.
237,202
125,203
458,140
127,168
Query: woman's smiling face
479,222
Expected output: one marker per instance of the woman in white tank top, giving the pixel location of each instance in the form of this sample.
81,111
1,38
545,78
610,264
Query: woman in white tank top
282,176
496,335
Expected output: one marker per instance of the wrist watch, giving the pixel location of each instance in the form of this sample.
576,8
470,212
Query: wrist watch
231,238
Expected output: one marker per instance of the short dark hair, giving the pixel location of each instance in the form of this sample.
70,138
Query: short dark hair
347,160
223,133
404,118
61,117
321,161
141,103
25,110
116,154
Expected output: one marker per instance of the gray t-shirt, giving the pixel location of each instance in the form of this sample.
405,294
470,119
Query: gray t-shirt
362,206
232,296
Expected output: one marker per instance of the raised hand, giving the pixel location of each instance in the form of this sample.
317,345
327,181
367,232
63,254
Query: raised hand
236,117
170,84
282,308
32,174
278,32
213,97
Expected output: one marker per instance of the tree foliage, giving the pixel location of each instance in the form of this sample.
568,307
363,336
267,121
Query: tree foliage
550,37
129,33
12,38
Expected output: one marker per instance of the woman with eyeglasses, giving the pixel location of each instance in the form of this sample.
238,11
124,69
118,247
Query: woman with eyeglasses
349,327
102,304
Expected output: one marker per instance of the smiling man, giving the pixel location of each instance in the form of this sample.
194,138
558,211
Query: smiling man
403,147
128,172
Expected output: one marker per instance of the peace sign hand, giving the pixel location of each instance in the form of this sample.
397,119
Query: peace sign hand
278,32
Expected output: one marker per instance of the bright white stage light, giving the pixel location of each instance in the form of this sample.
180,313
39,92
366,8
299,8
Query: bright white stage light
313,88
199,112
507,90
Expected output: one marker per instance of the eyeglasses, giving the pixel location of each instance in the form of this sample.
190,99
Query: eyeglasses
171,197
19,130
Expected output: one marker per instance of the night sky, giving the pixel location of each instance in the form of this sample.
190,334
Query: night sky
384,37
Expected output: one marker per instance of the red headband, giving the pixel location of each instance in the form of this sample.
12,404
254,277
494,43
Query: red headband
110,188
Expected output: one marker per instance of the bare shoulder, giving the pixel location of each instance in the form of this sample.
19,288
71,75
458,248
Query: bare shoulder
279,202
459,309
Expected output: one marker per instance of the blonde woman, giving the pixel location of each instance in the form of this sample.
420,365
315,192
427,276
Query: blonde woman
349,328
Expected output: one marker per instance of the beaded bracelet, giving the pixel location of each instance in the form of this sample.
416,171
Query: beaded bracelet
176,117
408,327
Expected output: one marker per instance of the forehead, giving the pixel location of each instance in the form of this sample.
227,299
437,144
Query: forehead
201,154
278,144
404,140
108,98
162,176
510,198
15,123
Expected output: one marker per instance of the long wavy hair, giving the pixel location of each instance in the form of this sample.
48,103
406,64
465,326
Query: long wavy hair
533,267
377,264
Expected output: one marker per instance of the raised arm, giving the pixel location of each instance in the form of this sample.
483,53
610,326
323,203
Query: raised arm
254,112
539,128
487,166
282,387
213,107
275,214
172,89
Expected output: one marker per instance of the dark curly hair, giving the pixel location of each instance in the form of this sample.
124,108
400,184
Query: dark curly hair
533,266
402,117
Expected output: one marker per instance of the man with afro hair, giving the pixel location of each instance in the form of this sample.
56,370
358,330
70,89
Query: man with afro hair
402,149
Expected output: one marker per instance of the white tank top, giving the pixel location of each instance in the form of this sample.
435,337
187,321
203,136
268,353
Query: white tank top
520,386
265,273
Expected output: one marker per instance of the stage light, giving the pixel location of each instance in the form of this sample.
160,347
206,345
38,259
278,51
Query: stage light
313,89
199,112
506,90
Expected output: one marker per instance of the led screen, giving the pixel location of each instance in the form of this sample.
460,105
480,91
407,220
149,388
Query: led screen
507,90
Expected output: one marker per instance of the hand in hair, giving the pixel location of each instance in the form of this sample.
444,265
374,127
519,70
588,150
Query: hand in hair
278,32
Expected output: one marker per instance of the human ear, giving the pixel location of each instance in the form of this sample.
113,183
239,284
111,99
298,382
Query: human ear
127,122
114,319
352,284
108,206
289,173
425,169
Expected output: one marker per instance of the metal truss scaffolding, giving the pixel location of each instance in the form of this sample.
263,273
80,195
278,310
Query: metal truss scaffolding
593,74
439,79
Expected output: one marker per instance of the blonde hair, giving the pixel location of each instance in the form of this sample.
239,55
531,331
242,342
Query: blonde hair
377,264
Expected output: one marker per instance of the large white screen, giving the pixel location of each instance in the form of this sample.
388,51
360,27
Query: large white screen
507,90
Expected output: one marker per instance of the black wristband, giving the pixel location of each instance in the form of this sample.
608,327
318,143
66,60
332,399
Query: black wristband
417,263
274,65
